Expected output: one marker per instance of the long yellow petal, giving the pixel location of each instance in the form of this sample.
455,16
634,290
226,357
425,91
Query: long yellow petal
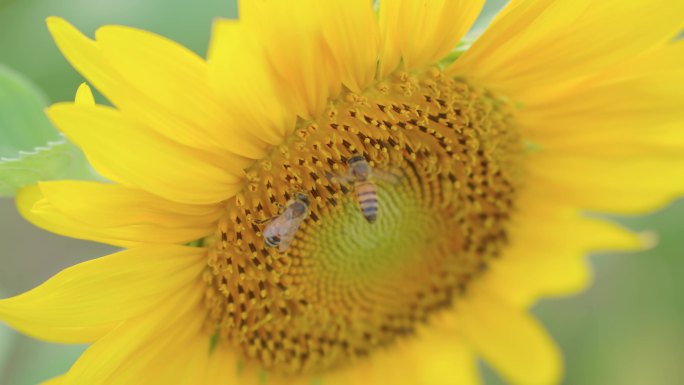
160,347
556,265
351,31
87,57
437,355
52,220
83,302
631,185
441,356
223,368
634,108
534,44
106,205
177,79
114,214
421,32
292,37
510,340
143,159
254,102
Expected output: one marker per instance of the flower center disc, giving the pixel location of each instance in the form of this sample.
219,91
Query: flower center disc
445,165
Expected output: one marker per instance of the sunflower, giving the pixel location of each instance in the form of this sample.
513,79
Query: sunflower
418,205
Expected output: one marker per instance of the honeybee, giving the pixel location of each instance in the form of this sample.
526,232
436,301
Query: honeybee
282,228
362,176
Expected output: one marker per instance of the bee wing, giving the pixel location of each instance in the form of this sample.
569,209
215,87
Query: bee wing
276,226
288,233
338,178
386,176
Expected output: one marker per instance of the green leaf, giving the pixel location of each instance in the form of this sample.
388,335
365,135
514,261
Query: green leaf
30,148
23,124
56,160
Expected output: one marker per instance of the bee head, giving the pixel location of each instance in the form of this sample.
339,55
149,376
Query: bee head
302,197
359,167
355,159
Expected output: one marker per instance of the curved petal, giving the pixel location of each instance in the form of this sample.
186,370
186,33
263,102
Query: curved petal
351,30
163,346
244,81
113,214
612,142
556,264
87,58
52,220
636,107
437,355
630,185
510,340
421,32
84,96
143,159
177,79
224,368
535,44
107,205
441,356
83,302
292,38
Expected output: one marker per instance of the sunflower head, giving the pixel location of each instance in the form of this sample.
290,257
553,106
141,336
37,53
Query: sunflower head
356,204
410,188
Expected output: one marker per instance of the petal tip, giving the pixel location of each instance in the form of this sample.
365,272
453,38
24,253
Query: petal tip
55,24
84,95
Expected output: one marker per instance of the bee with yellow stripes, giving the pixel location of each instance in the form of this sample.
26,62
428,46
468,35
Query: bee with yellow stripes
363,178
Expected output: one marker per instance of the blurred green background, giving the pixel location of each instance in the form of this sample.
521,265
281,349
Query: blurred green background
628,329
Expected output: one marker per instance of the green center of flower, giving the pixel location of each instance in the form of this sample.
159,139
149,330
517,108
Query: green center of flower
375,254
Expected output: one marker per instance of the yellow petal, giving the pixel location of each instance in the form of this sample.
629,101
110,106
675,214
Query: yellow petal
534,44
437,355
54,381
84,96
223,367
177,79
442,357
114,214
556,265
292,37
107,205
634,108
162,346
83,302
52,220
351,31
421,32
613,142
234,57
510,340
142,158
88,59
631,185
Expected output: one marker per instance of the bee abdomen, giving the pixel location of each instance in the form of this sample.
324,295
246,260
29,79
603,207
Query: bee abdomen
367,196
272,241
370,212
